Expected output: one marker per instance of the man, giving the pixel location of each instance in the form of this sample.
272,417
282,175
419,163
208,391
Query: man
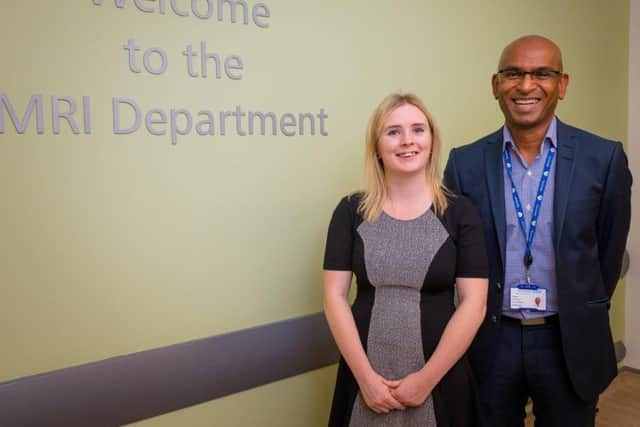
555,203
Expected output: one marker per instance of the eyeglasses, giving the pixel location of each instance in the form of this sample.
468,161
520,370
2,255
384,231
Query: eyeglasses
539,74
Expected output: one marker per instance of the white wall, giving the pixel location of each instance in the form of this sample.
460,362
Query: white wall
632,321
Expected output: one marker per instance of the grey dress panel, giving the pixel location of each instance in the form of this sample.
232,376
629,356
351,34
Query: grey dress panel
397,255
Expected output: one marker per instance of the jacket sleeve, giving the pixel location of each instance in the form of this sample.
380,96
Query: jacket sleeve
614,218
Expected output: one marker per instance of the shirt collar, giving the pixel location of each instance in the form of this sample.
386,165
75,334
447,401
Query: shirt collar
551,135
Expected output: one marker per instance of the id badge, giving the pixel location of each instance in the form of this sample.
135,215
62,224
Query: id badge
528,297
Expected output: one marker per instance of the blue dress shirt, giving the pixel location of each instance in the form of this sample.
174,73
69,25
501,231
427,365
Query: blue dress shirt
526,178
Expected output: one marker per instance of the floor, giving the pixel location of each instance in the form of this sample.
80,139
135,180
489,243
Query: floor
619,405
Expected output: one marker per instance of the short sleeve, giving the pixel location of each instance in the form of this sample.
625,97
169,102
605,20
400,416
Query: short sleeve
339,248
470,248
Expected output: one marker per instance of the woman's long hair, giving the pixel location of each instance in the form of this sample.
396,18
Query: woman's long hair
375,192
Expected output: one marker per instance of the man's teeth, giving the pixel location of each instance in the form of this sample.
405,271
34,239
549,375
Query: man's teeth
526,101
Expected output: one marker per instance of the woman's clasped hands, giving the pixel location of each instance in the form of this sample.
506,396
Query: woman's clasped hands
410,391
382,395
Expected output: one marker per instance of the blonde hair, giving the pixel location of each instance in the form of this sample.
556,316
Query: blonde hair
375,192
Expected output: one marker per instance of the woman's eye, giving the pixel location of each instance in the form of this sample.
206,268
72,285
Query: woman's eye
418,130
393,132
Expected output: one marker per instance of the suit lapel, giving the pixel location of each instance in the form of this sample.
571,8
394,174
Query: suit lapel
495,182
564,174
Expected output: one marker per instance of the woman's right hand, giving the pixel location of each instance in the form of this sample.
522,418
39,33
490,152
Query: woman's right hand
377,395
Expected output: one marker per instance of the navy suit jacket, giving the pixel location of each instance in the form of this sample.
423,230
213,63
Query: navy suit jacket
592,209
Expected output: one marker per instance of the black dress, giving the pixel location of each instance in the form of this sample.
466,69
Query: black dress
405,271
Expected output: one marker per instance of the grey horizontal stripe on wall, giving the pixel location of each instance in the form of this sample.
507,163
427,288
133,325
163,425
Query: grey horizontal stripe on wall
130,388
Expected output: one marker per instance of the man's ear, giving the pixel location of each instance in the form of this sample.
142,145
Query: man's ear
494,85
562,85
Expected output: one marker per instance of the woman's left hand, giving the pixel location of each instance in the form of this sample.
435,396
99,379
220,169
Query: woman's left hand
412,390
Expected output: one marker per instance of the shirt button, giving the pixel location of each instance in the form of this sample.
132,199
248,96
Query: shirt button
529,173
499,285
494,319
528,207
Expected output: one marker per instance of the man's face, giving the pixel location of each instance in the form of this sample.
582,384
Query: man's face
529,102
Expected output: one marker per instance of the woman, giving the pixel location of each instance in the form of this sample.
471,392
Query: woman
407,242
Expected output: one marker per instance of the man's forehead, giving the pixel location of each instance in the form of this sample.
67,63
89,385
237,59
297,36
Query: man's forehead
533,52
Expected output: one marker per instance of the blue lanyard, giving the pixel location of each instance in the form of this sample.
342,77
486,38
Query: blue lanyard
528,258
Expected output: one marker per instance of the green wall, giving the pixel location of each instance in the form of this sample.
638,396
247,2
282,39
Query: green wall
114,244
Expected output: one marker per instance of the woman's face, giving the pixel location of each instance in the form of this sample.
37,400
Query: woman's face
404,145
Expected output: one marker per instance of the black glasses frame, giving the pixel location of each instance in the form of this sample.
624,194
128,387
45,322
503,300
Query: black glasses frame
537,74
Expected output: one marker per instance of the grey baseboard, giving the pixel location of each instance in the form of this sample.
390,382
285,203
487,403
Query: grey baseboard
630,369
